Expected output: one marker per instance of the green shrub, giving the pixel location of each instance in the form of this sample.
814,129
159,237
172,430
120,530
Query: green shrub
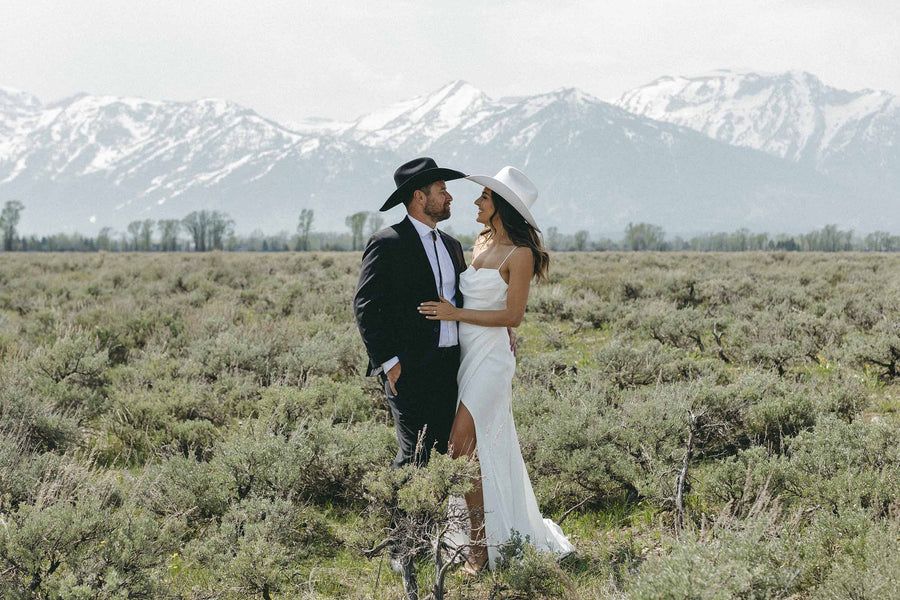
83,537
166,419
573,444
74,357
180,484
773,419
284,408
529,573
757,560
684,328
321,348
234,350
321,461
757,388
846,465
26,417
71,374
297,528
24,468
546,369
740,481
871,572
843,396
628,367
260,567
881,349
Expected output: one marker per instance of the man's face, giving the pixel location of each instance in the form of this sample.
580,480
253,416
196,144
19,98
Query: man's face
437,201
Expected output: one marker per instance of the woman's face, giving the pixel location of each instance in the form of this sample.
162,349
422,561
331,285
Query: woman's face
485,207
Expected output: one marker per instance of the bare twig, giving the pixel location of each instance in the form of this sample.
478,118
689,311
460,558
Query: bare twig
574,508
721,351
682,473
377,549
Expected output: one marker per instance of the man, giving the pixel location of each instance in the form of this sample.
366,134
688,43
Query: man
404,265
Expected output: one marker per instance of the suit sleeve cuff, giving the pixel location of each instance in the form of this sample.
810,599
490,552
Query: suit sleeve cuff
389,364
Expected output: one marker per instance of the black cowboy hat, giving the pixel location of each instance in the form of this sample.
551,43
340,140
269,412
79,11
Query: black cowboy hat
415,174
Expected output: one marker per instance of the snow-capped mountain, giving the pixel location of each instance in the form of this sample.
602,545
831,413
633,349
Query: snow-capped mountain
411,127
89,161
107,160
854,136
600,167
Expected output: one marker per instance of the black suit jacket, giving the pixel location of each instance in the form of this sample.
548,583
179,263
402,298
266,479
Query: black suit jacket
395,278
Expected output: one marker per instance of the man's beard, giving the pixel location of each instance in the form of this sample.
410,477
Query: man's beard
438,211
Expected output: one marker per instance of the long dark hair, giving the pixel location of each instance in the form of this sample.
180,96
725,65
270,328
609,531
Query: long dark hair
520,233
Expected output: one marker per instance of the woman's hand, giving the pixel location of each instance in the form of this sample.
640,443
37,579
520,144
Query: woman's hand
438,311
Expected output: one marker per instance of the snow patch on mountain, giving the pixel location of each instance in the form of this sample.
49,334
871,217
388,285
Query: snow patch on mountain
791,115
414,124
12,100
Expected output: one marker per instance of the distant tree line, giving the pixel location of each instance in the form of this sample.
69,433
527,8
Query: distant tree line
203,230
647,237
199,231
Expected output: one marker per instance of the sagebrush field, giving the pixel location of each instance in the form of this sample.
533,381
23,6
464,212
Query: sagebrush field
198,426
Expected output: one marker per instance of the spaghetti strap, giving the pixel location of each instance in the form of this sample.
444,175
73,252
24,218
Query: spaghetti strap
507,256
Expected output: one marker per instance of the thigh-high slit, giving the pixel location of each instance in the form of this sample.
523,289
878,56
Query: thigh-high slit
485,391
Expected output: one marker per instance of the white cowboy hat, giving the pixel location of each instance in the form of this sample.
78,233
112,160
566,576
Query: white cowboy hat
515,188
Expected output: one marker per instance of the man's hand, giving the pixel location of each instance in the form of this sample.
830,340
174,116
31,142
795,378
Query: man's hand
393,375
512,340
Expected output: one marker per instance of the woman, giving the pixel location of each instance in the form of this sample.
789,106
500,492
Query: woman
508,255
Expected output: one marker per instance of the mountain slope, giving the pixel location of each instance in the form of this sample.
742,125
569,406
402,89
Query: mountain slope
599,167
119,159
853,136
411,127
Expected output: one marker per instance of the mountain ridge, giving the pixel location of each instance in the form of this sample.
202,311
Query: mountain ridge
87,161
852,136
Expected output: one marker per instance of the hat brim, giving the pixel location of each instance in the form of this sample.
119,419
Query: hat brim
420,180
508,195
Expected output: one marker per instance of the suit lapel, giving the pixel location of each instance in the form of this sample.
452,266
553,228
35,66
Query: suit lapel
418,260
451,250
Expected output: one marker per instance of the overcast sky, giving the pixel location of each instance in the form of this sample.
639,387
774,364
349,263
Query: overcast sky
292,60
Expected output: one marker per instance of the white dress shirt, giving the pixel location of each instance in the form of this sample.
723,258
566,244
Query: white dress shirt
449,331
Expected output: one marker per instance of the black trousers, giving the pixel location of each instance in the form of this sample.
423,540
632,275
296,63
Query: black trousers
425,401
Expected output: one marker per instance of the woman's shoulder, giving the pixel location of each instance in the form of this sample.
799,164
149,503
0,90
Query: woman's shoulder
520,258
510,254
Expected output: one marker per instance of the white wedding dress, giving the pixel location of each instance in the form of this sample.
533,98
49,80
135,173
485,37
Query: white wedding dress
485,377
